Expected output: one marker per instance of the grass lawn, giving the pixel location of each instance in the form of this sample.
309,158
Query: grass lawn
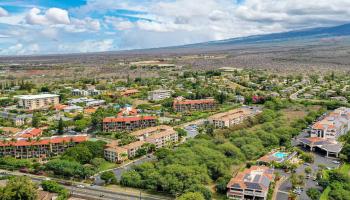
106,166
345,168
324,195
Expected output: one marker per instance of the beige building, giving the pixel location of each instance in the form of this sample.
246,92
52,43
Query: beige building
160,135
232,117
35,102
252,183
133,147
116,154
157,95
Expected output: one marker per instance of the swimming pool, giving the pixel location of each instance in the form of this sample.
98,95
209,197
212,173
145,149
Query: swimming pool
280,155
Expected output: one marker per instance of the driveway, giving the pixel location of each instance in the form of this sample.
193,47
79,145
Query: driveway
286,186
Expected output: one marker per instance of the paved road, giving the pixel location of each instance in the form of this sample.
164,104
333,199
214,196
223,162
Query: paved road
95,192
119,170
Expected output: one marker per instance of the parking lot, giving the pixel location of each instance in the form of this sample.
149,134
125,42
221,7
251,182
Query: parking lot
286,186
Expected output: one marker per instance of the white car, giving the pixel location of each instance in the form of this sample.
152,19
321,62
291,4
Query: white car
336,162
80,186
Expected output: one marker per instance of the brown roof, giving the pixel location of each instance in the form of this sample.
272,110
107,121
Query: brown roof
152,130
198,101
134,145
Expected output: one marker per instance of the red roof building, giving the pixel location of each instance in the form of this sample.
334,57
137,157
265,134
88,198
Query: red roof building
128,123
188,105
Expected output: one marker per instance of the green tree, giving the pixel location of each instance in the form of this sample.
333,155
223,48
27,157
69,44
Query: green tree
80,154
53,186
109,177
36,120
60,127
191,196
19,187
313,193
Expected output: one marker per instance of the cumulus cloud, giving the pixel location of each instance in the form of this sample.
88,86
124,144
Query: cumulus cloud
82,25
3,12
51,16
21,49
87,46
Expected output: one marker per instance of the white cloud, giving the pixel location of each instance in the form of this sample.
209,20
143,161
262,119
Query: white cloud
51,16
20,49
83,25
3,12
87,46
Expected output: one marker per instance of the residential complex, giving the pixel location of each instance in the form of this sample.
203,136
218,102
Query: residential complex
128,123
35,102
252,183
324,133
17,119
159,135
333,125
157,95
39,147
233,117
183,105
115,154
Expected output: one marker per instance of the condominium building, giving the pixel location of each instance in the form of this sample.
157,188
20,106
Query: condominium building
40,101
193,105
128,123
157,95
324,133
29,133
133,147
333,125
233,117
252,183
159,135
17,119
115,154
39,147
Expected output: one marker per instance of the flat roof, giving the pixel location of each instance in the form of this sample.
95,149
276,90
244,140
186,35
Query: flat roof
36,96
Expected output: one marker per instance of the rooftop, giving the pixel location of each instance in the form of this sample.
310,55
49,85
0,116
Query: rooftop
37,96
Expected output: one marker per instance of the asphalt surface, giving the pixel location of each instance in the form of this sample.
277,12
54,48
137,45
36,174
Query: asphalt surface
95,192
320,159
120,170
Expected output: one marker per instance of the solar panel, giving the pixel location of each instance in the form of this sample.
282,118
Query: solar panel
236,185
254,186
256,178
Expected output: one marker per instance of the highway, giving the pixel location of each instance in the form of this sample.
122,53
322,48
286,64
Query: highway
94,192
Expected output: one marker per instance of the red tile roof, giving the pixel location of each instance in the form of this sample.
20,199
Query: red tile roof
29,133
45,141
198,101
127,119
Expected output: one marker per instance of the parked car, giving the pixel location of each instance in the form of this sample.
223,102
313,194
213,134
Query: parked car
335,162
80,186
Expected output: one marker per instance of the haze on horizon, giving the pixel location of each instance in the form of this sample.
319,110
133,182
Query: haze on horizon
42,27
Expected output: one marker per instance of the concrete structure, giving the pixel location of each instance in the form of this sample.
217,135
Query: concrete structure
333,125
324,133
73,108
78,92
17,119
115,154
193,105
233,117
133,147
159,135
40,101
39,147
330,146
128,123
252,183
29,133
157,95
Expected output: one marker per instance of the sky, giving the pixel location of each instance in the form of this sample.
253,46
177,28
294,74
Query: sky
30,27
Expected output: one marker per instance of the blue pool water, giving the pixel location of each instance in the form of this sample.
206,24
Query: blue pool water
280,155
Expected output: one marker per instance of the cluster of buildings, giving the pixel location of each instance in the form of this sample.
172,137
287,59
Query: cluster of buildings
160,136
18,119
128,123
157,95
39,101
252,183
90,92
324,133
185,105
30,144
233,117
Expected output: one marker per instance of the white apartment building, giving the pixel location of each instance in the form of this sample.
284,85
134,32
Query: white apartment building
35,102
157,95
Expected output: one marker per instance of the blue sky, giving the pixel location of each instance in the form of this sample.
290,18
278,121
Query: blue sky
66,26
